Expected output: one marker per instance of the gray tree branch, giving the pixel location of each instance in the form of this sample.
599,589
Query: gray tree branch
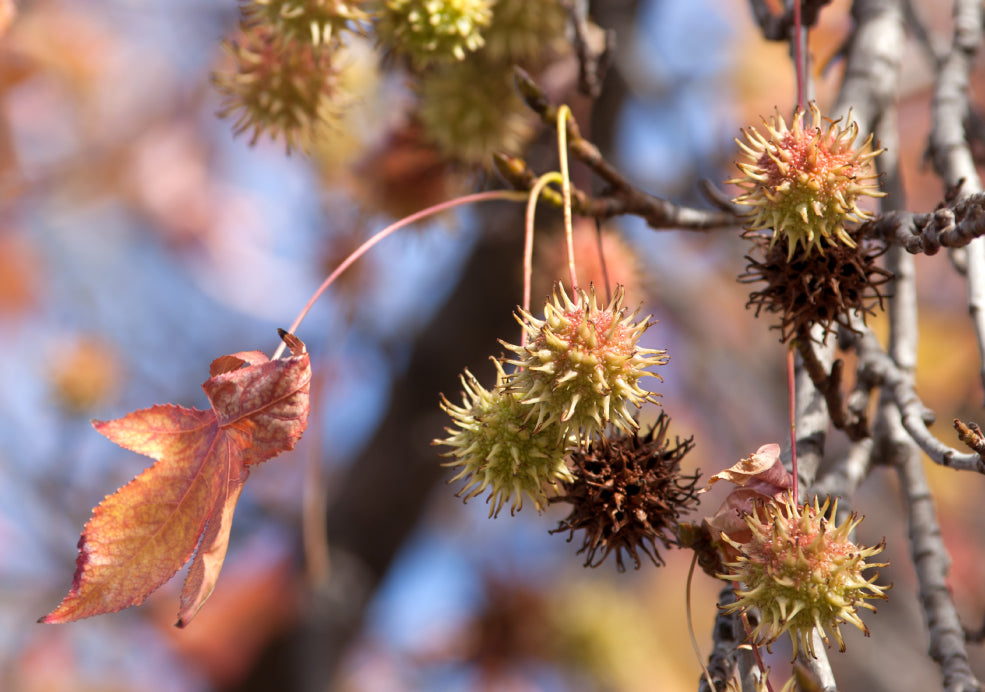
949,147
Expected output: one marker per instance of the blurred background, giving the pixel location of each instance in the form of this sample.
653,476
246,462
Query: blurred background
140,239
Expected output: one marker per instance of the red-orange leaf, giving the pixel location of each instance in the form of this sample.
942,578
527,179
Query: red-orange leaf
142,534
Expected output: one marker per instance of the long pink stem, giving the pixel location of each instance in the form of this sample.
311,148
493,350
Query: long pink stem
798,51
791,382
792,390
393,228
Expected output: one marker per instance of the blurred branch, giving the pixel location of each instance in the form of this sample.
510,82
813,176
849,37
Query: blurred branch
918,30
778,27
873,57
846,474
726,635
593,46
622,197
932,564
949,148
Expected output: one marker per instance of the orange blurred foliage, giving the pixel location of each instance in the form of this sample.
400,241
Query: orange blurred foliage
84,373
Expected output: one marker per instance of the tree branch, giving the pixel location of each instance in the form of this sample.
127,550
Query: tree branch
932,564
727,635
852,420
813,419
949,148
876,364
622,196
953,226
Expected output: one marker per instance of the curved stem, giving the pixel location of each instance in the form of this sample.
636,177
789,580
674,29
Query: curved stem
563,114
690,622
528,241
506,195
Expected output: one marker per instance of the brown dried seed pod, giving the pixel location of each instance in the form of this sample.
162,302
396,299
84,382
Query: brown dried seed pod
818,288
627,494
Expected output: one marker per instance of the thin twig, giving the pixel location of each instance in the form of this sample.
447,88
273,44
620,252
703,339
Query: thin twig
491,196
593,46
623,197
853,421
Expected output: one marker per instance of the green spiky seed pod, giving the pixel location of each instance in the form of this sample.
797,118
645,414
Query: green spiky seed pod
581,366
498,449
523,30
804,183
434,31
315,21
286,88
802,574
469,110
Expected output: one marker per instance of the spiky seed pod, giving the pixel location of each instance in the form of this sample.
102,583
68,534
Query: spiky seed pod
280,86
804,183
434,31
522,31
498,450
627,494
314,21
824,289
581,366
801,573
469,110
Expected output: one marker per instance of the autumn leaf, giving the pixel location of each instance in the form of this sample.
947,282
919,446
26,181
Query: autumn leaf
762,471
141,535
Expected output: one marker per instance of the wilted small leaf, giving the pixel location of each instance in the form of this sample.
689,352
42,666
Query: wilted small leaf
142,534
761,477
762,471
